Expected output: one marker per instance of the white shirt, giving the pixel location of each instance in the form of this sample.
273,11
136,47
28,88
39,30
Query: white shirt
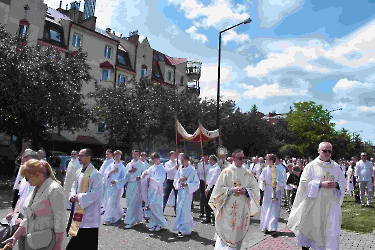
71,175
200,172
170,169
25,189
212,176
364,170
18,180
91,200
257,169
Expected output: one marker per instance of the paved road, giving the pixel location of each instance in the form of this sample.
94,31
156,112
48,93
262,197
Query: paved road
117,237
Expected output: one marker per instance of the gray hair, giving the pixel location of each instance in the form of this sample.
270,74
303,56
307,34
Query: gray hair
322,143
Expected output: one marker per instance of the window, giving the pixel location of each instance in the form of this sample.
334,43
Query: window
106,75
169,76
54,35
102,128
76,41
143,72
121,80
182,80
23,30
161,57
107,51
121,59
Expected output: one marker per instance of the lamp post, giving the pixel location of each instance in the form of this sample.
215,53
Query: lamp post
218,70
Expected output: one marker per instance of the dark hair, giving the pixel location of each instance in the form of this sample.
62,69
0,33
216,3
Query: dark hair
272,157
277,156
186,157
89,152
135,151
109,151
237,151
213,157
155,155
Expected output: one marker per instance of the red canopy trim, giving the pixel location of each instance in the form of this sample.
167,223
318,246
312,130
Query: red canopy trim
24,22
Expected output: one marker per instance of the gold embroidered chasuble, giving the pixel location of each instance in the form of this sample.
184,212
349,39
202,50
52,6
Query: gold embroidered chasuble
232,211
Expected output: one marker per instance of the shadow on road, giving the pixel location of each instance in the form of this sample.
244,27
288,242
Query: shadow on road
6,191
288,234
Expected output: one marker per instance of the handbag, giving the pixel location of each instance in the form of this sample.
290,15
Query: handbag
41,240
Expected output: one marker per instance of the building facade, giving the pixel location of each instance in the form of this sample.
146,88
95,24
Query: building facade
115,61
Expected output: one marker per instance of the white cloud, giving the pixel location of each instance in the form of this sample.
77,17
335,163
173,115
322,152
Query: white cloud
345,84
192,31
340,122
269,90
232,35
272,11
366,109
103,10
218,14
173,30
347,55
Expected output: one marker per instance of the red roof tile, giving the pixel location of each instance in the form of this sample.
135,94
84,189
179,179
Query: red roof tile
175,60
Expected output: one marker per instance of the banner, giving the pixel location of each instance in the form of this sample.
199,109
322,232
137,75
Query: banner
201,134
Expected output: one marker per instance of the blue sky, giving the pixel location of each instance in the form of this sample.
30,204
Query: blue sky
295,50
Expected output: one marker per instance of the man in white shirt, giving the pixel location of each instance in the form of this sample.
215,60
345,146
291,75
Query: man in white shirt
170,168
212,176
88,233
202,174
365,175
71,172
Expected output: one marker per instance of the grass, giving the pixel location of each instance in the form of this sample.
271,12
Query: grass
355,218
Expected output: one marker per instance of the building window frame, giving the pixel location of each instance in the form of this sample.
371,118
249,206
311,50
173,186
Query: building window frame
77,40
23,30
54,35
121,80
169,76
182,78
105,75
107,51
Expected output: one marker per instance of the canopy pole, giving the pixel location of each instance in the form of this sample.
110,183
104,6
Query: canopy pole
201,142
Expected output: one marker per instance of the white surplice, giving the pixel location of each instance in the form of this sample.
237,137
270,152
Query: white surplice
271,208
71,172
89,201
113,209
232,211
153,194
315,218
102,169
184,220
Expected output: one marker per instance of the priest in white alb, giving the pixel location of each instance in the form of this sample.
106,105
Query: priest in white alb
108,161
153,194
272,181
186,182
71,175
234,200
113,190
316,216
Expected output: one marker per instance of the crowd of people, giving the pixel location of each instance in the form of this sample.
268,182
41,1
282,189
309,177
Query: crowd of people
231,192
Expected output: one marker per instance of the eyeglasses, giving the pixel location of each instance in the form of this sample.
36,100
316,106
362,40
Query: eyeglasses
327,151
240,158
73,154
363,155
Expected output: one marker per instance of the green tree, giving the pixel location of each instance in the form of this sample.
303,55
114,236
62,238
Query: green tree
40,89
312,125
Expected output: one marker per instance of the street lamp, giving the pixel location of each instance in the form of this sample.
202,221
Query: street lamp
218,70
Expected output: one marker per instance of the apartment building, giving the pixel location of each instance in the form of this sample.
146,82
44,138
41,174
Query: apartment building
115,60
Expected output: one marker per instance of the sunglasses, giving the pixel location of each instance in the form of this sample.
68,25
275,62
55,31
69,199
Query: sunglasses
326,151
363,155
240,158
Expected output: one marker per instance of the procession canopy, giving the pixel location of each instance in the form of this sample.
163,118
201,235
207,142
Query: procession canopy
200,134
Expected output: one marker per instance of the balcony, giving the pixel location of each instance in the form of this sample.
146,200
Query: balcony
193,89
193,70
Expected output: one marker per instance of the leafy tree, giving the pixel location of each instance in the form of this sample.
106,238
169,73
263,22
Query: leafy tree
40,89
312,125
290,150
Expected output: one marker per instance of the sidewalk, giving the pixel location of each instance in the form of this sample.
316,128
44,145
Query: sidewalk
285,240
